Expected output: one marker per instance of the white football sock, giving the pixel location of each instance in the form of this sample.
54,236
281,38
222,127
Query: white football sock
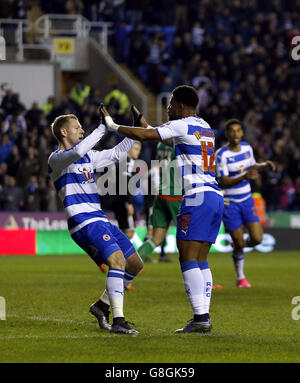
128,278
208,282
238,260
105,298
194,285
115,291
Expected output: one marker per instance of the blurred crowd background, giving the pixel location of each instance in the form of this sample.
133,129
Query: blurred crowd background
237,54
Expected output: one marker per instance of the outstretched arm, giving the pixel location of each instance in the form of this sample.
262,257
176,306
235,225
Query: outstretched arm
139,134
226,182
109,156
264,165
61,159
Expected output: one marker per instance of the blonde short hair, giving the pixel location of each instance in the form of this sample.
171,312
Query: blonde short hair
59,122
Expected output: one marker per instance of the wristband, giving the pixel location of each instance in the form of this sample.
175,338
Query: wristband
110,124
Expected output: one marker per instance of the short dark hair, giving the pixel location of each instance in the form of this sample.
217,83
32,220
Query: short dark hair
232,121
187,95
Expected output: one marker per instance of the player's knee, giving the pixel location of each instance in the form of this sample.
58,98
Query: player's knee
129,234
117,261
256,240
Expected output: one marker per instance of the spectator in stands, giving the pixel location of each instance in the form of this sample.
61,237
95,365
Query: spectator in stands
79,93
6,145
48,106
26,169
43,193
288,192
32,196
9,102
181,13
297,194
74,7
11,195
13,161
18,118
32,116
118,99
3,172
53,202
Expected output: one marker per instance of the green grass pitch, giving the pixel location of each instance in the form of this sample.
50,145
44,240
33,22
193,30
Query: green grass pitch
48,320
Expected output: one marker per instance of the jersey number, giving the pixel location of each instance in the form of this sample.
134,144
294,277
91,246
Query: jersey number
208,161
183,221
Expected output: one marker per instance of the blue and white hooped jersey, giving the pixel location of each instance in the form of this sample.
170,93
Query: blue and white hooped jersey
235,164
194,143
72,172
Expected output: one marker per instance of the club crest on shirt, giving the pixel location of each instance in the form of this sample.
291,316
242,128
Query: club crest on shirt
87,174
106,237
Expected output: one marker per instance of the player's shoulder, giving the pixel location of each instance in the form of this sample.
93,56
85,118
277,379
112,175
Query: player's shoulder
222,151
197,121
245,144
52,155
173,123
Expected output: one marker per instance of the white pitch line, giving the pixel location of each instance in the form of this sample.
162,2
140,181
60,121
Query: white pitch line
10,337
102,277
47,319
72,321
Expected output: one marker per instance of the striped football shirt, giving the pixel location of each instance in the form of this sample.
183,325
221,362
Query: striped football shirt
72,172
194,143
235,164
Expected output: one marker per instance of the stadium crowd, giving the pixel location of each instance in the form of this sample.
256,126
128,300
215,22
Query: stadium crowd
235,53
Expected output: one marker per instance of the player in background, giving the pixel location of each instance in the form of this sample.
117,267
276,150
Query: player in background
71,168
236,166
200,213
166,202
123,205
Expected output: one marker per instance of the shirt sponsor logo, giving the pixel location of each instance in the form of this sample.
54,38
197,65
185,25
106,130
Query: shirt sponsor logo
87,174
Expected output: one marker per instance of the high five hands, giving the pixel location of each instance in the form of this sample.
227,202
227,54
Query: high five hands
138,118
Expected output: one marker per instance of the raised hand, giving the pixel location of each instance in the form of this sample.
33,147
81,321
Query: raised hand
271,165
106,119
138,118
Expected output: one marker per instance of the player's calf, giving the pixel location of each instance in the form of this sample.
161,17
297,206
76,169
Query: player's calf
134,265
